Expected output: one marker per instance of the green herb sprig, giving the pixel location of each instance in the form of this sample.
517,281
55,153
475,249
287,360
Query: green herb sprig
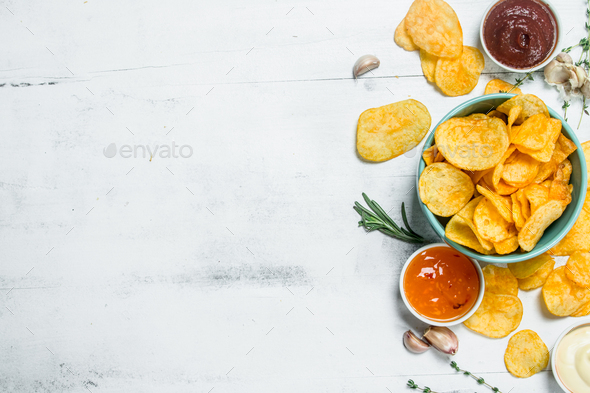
519,82
425,389
479,380
378,220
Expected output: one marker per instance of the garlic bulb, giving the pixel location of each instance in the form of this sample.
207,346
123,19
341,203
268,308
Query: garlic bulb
365,64
569,79
414,344
442,338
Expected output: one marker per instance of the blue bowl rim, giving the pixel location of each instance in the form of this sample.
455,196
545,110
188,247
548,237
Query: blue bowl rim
513,257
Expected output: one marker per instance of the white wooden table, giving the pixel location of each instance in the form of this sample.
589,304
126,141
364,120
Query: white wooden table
239,268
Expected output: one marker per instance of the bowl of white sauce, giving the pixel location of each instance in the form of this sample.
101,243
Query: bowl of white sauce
570,360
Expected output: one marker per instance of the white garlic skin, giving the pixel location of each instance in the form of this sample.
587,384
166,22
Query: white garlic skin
442,338
414,344
365,64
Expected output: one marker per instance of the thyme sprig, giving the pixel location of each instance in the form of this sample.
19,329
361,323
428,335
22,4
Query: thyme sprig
519,81
378,220
479,380
425,389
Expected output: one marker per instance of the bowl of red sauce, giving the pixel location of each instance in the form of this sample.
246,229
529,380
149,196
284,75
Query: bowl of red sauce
521,35
441,286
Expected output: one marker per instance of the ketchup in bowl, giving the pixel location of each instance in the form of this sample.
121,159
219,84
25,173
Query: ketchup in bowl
520,34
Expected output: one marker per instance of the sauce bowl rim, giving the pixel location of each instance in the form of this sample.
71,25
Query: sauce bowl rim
556,347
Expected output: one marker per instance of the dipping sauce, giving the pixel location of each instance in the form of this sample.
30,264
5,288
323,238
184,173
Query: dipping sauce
573,360
441,284
520,33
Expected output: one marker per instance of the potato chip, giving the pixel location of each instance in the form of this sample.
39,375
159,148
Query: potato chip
546,170
476,176
512,116
560,187
534,133
472,144
527,268
538,279
564,147
434,27
562,296
490,224
531,105
429,154
537,223
499,86
439,157
582,311
526,354
586,149
514,130
467,214
428,63
499,115
458,230
546,153
445,189
403,39
520,169
537,196
497,316
500,281
577,268
525,205
517,215
499,169
507,246
502,203
391,130
459,76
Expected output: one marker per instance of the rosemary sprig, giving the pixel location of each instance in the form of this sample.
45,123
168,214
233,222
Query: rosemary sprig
425,389
479,380
378,220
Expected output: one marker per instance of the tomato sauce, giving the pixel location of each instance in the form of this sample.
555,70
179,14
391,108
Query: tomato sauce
441,284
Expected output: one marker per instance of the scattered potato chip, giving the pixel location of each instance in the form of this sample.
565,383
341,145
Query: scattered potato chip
467,214
538,279
582,311
502,203
562,296
459,76
527,268
490,224
537,223
472,144
391,130
577,268
500,281
499,86
428,63
520,169
458,230
531,105
497,316
434,27
445,189
403,39
526,354
578,238
537,196
499,115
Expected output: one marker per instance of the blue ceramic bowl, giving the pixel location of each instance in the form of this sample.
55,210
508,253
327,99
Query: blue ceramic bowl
558,229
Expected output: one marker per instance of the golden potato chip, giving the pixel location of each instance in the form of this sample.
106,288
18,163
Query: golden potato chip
445,189
472,144
537,196
500,281
577,268
490,224
527,268
403,39
499,169
546,153
497,316
459,76
586,149
501,188
525,206
428,63
434,27
538,279
467,214
560,187
564,148
499,115
578,238
537,223
507,246
429,154
546,170
517,215
458,230
391,130
513,131
439,157
520,169
512,116
534,133
582,311
562,296
526,354
502,203
476,176
499,86
531,105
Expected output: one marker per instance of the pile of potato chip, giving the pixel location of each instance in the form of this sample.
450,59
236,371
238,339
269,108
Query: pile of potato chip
502,177
567,289
432,27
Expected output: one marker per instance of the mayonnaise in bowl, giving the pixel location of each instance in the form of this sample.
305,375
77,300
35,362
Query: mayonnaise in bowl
572,360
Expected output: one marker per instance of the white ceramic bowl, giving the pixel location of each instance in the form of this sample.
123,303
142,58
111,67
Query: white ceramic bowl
439,323
554,53
585,322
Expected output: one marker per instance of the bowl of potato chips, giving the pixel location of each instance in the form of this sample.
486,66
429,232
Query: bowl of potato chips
502,178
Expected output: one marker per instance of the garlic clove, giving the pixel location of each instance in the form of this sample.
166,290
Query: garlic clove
365,64
442,338
585,89
557,73
414,344
564,58
581,76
